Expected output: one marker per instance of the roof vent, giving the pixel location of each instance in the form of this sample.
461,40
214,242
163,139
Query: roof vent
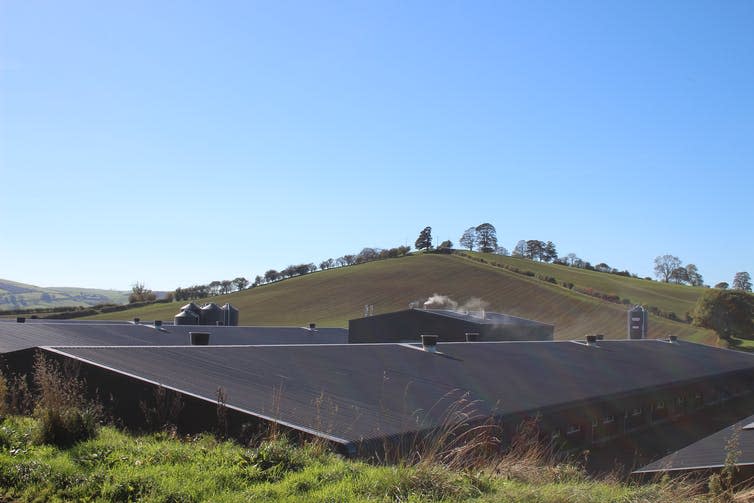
591,340
137,320
199,338
472,336
312,326
429,343
20,319
157,323
673,339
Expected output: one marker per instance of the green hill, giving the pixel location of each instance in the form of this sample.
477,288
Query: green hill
14,295
334,296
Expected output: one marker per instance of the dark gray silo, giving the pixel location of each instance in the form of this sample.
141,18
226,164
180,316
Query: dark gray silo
638,323
191,307
186,317
230,315
210,314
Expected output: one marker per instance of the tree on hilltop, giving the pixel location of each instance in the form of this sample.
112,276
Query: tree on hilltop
486,237
520,249
240,283
679,275
140,293
424,241
742,281
549,252
665,265
468,240
693,275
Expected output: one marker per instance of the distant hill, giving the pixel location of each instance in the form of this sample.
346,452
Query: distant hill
14,295
334,296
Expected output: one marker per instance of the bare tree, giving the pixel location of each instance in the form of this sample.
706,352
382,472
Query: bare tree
665,265
225,286
469,238
679,275
571,259
520,249
140,293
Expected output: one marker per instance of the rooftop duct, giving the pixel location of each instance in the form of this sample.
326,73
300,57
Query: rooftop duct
429,343
199,338
472,336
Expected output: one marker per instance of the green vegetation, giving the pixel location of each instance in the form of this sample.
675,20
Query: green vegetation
730,313
159,467
332,297
22,296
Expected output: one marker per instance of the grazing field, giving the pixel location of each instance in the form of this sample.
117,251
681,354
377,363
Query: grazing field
679,299
332,297
15,295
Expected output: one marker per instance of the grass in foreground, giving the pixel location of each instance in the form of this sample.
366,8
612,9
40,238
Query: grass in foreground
118,467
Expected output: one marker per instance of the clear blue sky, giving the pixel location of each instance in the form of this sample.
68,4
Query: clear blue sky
181,142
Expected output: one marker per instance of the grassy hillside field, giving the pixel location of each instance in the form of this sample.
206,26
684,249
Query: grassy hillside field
15,295
332,297
668,297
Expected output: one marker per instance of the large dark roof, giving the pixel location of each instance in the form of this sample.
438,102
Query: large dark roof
16,336
364,391
710,452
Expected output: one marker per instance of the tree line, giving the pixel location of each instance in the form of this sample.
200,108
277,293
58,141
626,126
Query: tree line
483,238
224,287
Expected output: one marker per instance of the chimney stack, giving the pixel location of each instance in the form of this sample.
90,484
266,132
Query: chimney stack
157,323
429,343
591,340
136,321
312,326
673,339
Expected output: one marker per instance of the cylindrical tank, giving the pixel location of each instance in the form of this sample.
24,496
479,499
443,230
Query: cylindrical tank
191,307
186,318
210,314
230,315
638,323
